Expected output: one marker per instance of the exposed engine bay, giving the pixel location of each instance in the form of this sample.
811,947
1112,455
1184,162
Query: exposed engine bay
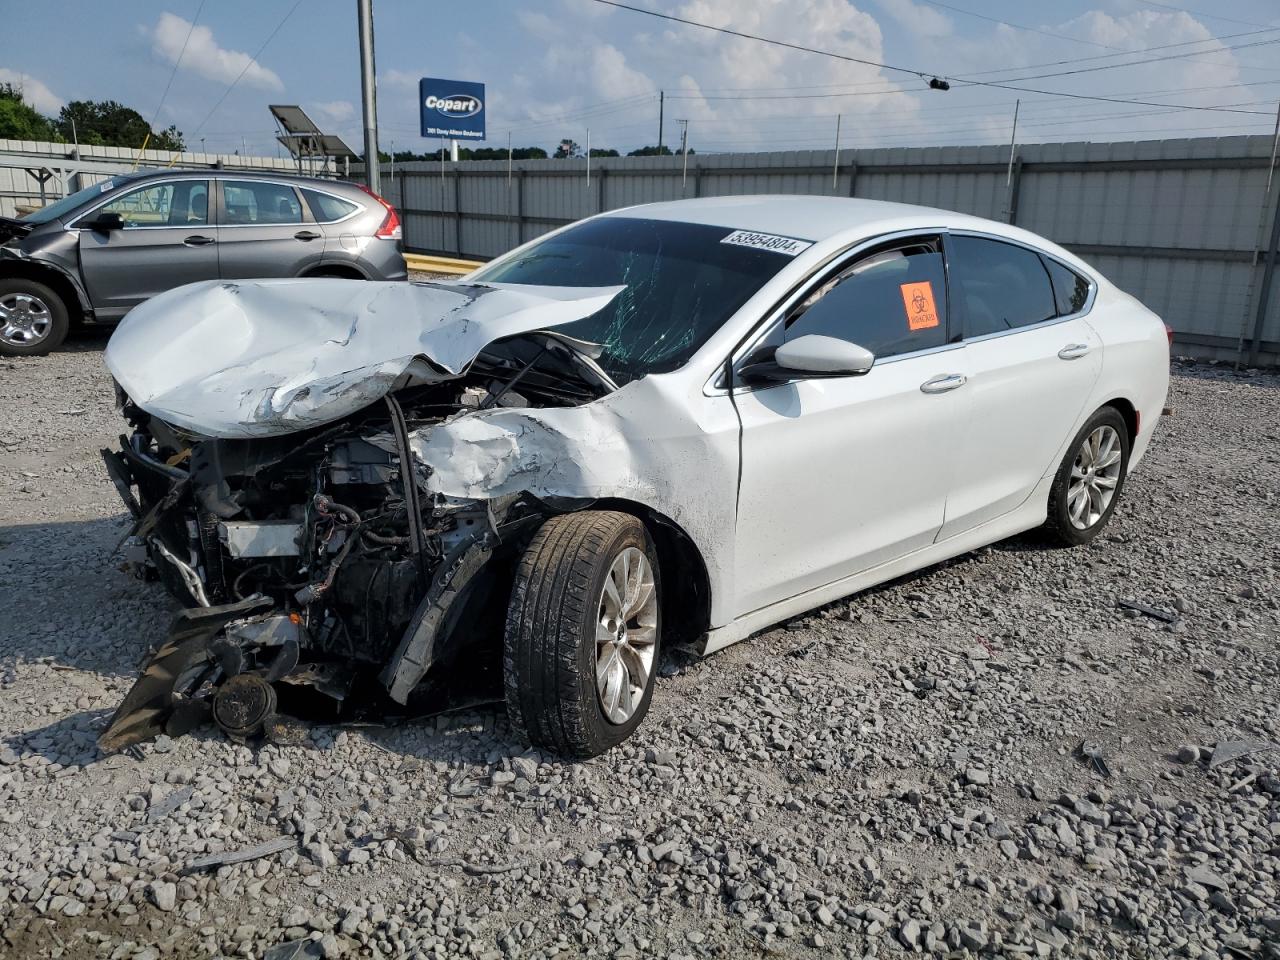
319,574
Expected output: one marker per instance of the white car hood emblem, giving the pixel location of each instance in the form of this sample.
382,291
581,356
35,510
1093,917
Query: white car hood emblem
261,358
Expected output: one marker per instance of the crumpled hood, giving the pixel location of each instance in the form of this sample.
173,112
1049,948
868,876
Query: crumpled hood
261,358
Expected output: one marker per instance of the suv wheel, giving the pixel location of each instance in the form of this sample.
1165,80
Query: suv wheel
33,319
582,635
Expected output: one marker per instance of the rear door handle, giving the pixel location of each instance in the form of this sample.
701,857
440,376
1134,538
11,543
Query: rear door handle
306,235
1073,351
198,241
943,383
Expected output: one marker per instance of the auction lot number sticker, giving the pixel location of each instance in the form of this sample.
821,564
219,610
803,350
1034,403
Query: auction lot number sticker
767,241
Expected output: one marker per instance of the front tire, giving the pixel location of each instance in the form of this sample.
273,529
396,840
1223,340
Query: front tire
582,636
1088,484
33,318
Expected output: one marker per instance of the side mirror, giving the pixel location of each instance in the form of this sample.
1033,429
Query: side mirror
810,357
103,223
820,356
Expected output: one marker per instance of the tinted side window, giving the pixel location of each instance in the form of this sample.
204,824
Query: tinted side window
248,201
176,204
998,286
1070,290
326,208
890,302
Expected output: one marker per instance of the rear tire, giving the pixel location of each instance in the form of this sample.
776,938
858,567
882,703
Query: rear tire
583,631
1089,480
33,318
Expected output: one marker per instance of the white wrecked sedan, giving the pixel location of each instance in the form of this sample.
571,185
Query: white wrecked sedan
684,420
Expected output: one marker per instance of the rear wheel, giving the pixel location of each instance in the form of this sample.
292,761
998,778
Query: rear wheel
582,634
1088,484
33,319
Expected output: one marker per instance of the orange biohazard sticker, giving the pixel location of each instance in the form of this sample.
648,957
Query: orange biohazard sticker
921,311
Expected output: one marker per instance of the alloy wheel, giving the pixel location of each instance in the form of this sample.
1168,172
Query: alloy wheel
24,319
626,635
1094,477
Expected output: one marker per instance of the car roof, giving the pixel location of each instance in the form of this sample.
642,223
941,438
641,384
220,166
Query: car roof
231,173
805,217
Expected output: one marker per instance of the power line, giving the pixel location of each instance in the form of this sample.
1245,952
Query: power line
924,75
177,63
1064,36
1198,13
777,43
1018,26
1131,63
251,61
1161,46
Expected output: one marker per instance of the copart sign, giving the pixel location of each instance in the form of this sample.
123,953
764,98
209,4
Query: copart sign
451,108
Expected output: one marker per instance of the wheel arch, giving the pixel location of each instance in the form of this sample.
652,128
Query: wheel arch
347,271
686,584
1126,409
55,279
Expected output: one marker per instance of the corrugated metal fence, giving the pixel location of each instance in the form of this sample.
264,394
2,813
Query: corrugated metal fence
33,173
1177,223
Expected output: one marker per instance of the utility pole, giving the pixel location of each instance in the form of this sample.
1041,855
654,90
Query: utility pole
662,97
1013,140
372,168
684,152
835,167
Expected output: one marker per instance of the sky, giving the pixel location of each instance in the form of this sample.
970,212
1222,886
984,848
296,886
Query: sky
555,69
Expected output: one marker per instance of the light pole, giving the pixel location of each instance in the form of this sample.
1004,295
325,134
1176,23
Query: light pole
372,168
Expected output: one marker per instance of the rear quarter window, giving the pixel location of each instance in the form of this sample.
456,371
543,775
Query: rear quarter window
1070,290
326,208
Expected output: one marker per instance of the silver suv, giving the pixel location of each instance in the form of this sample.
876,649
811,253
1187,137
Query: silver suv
95,254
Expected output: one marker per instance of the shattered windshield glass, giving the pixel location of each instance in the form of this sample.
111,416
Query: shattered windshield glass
681,284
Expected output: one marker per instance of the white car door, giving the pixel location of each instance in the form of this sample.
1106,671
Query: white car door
1031,360
842,474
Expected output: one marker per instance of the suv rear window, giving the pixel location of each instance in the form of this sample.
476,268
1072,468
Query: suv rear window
327,208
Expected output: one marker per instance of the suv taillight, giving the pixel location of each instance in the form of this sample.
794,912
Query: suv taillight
390,229
1169,333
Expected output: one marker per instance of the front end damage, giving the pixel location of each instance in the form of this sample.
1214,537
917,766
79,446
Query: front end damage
320,574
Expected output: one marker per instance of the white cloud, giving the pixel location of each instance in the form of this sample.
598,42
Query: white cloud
33,91
204,57
918,19
335,111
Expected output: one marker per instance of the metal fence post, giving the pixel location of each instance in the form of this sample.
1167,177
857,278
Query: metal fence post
600,175
457,211
1015,187
853,177
520,207
404,218
1264,295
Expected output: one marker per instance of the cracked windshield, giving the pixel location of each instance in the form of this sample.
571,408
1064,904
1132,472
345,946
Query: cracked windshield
681,283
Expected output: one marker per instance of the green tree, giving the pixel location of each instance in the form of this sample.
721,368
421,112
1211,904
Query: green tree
651,151
110,124
567,150
19,120
604,153
476,153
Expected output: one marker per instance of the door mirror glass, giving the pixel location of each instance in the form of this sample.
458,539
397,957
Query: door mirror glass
810,357
103,223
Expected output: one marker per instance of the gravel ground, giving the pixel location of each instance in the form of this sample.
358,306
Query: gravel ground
898,772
